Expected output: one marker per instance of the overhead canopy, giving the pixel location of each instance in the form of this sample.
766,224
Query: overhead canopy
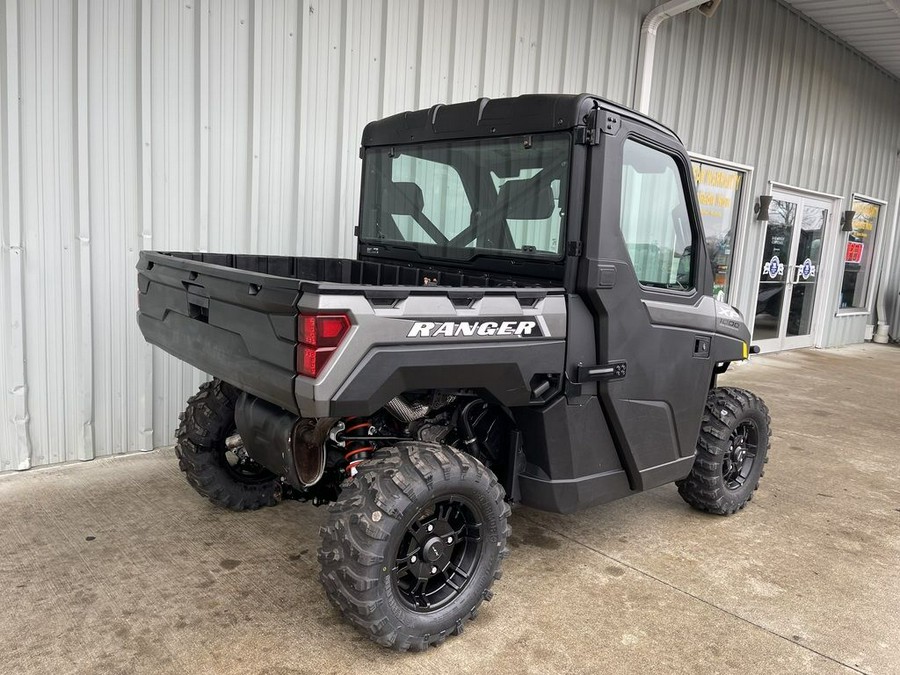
872,27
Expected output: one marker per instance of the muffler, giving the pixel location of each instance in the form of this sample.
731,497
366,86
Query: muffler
287,445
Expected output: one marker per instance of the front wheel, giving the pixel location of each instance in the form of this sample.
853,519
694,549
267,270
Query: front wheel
414,543
731,452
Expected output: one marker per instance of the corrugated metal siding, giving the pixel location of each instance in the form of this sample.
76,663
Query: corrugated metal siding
15,451
49,207
234,125
777,93
215,125
109,169
892,290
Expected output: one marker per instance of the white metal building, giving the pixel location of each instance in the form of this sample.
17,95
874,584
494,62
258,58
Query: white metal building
234,125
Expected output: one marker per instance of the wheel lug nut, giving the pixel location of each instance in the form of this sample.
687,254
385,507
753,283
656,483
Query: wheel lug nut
433,570
413,559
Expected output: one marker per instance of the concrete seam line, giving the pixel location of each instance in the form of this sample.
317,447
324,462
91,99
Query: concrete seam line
691,595
98,461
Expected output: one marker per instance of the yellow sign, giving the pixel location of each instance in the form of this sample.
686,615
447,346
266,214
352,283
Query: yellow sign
716,189
864,218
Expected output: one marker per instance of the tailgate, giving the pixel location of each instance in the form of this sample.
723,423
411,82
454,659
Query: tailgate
234,324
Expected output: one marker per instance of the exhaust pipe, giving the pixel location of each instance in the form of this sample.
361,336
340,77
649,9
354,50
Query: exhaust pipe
405,411
287,445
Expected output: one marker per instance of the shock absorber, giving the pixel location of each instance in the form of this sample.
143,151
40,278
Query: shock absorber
357,447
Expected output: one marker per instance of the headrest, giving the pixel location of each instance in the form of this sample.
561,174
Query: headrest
402,199
527,200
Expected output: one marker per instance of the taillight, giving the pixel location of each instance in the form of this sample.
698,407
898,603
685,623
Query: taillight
318,336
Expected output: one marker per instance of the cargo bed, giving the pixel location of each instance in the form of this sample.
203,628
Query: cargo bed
235,316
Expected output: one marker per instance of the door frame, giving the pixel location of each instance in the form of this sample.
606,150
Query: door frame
820,312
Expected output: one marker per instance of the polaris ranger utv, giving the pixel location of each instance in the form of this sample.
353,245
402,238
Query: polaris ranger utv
529,319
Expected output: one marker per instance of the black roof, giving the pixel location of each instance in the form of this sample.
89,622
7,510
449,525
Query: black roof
485,117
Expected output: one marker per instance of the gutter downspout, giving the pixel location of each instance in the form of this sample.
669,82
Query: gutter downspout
647,48
882,332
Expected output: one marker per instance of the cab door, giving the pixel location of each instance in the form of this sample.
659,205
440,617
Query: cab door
647,278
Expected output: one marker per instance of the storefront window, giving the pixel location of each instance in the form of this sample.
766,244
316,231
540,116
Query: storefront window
858,254
719,193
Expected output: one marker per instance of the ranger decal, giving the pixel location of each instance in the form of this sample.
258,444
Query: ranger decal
521,328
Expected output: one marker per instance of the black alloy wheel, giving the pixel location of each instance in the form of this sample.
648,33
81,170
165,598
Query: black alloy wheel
438,554
732,451
414,543
737,463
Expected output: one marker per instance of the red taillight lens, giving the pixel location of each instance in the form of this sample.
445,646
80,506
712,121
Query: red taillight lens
331,329
311,361
319,335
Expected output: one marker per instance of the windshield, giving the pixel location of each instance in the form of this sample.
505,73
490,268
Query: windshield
462,199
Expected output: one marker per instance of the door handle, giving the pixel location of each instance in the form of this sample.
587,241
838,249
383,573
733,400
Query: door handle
614,370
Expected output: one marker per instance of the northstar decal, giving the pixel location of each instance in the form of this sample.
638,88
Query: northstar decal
474,329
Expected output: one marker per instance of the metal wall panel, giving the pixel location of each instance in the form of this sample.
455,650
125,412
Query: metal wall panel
892,285
210,125
52,277
234,125
771,90
109,167
282,174
15,451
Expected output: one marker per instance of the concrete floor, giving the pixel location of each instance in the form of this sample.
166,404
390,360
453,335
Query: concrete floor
118,566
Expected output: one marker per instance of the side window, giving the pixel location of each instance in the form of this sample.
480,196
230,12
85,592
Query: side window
654,218
859,253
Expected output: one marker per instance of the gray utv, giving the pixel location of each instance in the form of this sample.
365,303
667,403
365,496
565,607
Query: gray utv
529,320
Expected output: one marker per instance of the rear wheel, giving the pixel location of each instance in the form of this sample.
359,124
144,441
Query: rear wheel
212,455
414,543
731,452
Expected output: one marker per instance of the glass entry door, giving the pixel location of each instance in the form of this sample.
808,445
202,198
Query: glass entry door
790,272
